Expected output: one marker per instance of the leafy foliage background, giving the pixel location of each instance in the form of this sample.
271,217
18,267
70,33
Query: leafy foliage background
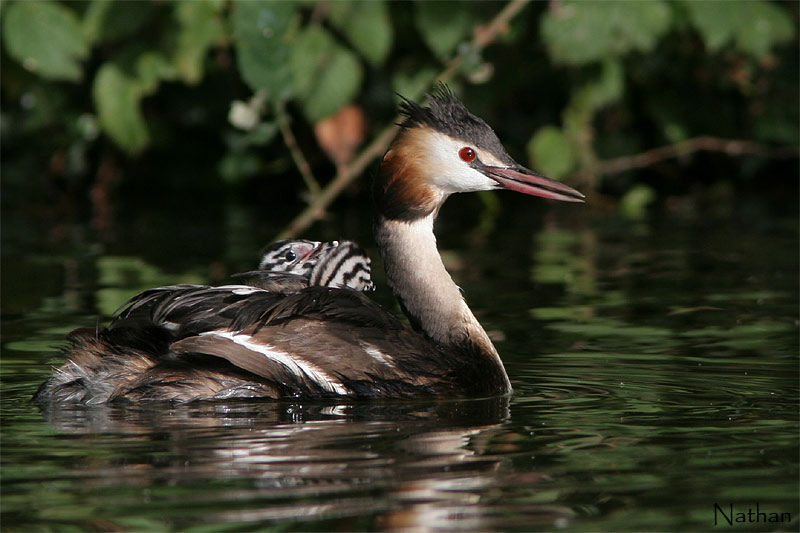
93,89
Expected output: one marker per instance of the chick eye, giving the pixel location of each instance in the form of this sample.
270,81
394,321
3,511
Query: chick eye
290,256
467,154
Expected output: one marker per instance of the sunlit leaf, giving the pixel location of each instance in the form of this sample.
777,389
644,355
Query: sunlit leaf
116,96
366,25
327,75
635,202
754,27
605,89
578,32
263,53
550,152
200,29
590,97
151,68
443,25
46,38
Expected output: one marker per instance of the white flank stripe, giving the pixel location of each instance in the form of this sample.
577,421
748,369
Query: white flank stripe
243,290
378,355
172,326
297,366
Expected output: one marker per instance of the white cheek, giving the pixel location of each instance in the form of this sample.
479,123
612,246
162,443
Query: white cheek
467,179
450,173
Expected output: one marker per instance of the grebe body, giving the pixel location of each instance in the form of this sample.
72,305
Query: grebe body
185,343
102,364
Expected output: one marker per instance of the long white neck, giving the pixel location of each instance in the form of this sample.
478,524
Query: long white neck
417,276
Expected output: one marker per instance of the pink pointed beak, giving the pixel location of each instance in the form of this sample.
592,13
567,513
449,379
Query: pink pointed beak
522,180
313,252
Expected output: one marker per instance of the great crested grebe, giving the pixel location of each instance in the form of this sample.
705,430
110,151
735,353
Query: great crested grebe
94,375
323,342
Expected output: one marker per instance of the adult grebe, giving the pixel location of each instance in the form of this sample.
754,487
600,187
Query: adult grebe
323,342
94,374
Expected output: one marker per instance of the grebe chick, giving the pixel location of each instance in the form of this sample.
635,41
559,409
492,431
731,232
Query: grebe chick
323,342
292,265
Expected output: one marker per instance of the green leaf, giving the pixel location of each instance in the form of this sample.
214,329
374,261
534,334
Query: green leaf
262,134
366,24
46,38
234,167
754,27
116,97
151,68
587,100
443,25
327,75
581,32
604,90
551,152
108,20
200,29
411,83
260,29
634,203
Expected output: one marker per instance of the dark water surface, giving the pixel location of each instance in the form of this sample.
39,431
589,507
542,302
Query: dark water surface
655,367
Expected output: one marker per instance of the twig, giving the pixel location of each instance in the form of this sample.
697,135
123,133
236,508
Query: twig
482,38
485,35
730,147
339,183
297,155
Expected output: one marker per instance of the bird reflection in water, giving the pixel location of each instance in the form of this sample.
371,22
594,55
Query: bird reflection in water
403,465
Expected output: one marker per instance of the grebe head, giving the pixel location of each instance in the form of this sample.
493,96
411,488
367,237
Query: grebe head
290,255
444,149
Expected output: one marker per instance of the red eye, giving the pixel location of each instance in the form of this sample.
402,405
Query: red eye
467,154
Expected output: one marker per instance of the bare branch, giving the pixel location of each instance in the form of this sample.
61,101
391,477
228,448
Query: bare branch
485,35
297,155
648,158
339,183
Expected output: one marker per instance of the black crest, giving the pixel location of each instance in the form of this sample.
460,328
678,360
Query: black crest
447,114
